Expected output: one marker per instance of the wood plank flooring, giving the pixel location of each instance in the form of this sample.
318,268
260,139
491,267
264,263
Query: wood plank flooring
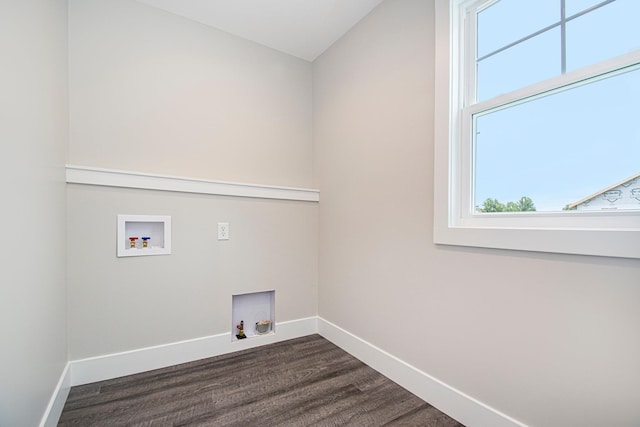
301,382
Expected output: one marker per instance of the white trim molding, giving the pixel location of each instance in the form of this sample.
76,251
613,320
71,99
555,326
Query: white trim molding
139,180
453,402
58,398
85,371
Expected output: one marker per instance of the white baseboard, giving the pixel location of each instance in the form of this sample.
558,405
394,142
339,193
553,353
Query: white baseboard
58,399
455,403
110,366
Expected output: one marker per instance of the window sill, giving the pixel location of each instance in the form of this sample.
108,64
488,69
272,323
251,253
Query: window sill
609,243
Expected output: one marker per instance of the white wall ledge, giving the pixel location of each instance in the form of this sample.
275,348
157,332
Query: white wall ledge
145,181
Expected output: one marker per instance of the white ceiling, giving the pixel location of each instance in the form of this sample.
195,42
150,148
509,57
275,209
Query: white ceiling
303,28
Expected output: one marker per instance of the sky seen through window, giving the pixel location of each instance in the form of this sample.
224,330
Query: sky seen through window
561,148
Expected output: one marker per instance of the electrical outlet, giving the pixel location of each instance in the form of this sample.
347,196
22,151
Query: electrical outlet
223,231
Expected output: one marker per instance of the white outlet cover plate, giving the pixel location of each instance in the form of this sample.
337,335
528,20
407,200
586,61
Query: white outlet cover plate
223,231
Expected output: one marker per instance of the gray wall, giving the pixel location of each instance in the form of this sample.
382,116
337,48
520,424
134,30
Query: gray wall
154,92
550,340
33,131
120,304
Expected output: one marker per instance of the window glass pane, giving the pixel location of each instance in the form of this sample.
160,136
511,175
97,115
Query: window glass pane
617,33
529,62
562,148
574,6
509,20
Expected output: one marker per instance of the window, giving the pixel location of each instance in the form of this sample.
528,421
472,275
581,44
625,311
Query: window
537,145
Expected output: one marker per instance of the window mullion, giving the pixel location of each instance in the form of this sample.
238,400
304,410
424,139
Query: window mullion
602,69
563,38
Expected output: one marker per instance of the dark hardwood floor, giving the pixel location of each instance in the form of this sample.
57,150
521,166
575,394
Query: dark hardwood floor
300,382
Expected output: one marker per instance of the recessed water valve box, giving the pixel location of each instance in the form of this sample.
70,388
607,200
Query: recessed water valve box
141,235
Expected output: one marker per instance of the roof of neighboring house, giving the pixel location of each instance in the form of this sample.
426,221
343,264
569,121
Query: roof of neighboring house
611,187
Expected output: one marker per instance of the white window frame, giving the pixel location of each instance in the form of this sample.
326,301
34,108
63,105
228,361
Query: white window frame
613,234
